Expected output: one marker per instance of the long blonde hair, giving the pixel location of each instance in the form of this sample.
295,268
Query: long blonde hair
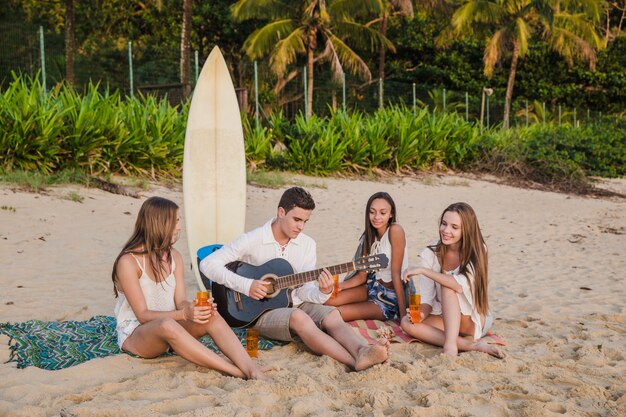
473,254
154,229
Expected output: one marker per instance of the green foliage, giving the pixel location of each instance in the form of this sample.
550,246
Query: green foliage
93,132
563,155
66,137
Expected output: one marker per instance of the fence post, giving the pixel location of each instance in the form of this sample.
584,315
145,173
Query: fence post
343,90
487,112
197,63
414,100
130,68
466,107
43,60
587,115
380,93
543,106
256,93
559,115
444,99
306,98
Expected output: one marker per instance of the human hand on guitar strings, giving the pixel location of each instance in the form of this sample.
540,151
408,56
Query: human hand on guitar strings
258,289
326,281
199,314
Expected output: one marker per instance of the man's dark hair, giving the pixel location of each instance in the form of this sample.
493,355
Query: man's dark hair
296,197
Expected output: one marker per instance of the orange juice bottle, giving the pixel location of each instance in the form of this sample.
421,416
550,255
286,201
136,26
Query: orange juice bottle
202,298
252,342
414,302
335,286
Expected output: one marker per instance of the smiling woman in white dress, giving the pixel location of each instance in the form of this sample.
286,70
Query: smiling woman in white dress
454,286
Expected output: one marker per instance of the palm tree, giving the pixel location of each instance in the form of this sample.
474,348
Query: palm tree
567,26
389,8
318,29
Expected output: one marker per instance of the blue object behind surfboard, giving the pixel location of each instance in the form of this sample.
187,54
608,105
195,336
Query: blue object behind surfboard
202,253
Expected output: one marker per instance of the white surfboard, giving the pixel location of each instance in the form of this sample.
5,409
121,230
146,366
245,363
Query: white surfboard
214,164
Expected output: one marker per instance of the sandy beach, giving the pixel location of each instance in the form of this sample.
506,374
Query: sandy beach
557,288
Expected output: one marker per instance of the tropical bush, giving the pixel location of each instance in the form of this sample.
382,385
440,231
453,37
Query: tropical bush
91,131
101,133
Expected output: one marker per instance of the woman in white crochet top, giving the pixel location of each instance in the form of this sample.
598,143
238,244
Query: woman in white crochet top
378,295
152,311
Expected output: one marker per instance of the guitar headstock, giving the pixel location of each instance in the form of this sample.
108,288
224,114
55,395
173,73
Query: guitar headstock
372,262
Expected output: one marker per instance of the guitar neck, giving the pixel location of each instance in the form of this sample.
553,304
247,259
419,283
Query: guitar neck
293,280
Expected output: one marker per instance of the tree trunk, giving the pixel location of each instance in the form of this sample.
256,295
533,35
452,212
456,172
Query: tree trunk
70,43
185,49
381,50
621,20
309,74
510,83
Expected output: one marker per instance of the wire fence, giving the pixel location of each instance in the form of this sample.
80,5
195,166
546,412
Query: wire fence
143,69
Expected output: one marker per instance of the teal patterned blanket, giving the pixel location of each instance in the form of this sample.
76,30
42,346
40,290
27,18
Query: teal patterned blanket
54,345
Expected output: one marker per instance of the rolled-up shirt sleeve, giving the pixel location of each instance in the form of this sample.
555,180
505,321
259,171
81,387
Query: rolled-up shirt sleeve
214,265
428,289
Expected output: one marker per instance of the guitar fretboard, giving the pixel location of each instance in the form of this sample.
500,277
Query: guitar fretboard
294,280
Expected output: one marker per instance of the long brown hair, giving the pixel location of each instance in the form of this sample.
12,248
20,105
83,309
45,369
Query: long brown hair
369,234
473,253
154,229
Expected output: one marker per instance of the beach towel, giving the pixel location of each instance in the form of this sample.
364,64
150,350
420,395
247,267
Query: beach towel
54,345
368,329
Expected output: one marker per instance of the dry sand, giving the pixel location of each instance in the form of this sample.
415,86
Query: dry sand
566,345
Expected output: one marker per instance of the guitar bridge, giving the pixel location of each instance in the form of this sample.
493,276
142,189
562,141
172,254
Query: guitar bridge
238,302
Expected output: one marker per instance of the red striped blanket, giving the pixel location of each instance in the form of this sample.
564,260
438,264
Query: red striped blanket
368,330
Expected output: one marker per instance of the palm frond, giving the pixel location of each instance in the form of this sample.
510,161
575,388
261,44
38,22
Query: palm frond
341,9
287,49
579,25
476,11
263,40
349,59
523,32
494,51
330,55
261,9
362,36
570,46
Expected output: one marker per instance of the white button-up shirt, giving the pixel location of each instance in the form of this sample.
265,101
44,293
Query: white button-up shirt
257,247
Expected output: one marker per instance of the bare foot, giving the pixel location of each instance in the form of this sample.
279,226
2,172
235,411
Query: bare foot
372,355
258,374
451,349
490,349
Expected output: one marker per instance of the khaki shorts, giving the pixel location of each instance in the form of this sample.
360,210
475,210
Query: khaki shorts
275,324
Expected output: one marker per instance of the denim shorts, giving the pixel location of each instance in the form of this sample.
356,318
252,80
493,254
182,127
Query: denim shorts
385,298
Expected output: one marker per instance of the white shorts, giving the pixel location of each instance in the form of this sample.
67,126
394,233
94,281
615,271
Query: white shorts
125,329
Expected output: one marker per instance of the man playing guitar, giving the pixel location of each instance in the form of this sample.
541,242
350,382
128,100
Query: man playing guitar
319,327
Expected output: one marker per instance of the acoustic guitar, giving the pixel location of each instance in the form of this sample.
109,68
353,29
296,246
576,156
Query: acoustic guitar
239,310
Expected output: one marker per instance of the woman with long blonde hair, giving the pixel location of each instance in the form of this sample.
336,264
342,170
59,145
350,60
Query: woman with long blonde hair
152,311
453,283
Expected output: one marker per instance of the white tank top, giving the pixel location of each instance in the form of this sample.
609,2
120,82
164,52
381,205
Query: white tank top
159,296
384,246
